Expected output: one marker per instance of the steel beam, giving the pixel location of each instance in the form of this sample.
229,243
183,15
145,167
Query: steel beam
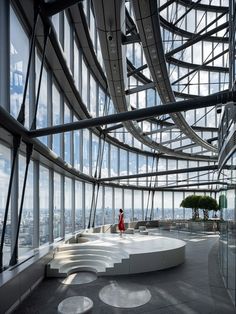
181,148
165,5
200,67
159,173
199,102
179,31
186,12
140,88
55,6
196,39
131,39
213,139
191,184
137,70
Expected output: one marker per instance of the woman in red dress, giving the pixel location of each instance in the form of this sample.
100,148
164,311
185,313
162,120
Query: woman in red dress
121,224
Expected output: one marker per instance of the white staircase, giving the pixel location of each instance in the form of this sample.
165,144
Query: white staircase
71,258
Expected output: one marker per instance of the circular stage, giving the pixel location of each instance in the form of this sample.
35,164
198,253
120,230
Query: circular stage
141,253
146,253
109,254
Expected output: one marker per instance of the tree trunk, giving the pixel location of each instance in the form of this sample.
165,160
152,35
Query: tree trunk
205,213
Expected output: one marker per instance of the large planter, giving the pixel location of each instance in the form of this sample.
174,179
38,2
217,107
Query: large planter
202,226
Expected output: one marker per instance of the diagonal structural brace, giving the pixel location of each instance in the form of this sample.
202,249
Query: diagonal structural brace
199,102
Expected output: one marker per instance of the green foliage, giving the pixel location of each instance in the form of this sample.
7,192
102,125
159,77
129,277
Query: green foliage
197,202
192,201
209,203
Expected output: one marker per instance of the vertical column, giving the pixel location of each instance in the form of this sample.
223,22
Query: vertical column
61,29
232,42
183,207
51,204
62,121
113,205
49,106
123,198
142,202
32,89
62,206
81,150
36,205
162,205
132,203
5,54
109,158
103,204
128,165
90,153
73,204
118,157
83,203
173,202
72,31
72,143
14,203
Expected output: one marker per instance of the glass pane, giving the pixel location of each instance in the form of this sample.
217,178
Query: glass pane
5,169
56,119
25,242
57,211
19,54
79,212
108,215
128,210
68,205
43,205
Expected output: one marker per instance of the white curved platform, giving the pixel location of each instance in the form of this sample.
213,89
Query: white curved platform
109,254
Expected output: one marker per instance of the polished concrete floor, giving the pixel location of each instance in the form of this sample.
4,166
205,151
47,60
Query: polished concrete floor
193,287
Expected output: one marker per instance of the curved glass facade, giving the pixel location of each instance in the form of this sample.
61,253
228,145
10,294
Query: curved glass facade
80,178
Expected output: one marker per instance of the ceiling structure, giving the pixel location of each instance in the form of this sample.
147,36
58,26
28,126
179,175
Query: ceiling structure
173,51
117,29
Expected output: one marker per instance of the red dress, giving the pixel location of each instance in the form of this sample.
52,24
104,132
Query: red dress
121,225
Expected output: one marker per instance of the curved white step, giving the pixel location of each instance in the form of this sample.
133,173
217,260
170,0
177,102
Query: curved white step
87,245
86,262
90,251
70,270
56,262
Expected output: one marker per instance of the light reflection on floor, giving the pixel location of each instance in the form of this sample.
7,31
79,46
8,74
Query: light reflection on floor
79,278
124,294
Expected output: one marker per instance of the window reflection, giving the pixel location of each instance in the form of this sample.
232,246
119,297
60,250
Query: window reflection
43,205
79,210
19,54
25,240
57,210
42,113
68,205
5,169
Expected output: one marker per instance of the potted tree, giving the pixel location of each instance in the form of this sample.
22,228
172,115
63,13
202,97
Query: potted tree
192,201
208,203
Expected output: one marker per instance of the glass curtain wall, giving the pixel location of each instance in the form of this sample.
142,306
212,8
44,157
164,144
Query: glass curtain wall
5,170
63,100
25,240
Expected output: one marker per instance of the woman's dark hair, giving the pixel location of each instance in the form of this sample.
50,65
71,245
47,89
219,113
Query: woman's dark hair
121,210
